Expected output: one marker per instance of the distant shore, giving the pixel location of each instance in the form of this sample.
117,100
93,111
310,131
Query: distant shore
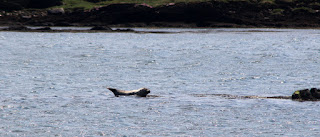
234,14
96,29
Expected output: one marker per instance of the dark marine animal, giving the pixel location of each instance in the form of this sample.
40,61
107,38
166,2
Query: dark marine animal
142,92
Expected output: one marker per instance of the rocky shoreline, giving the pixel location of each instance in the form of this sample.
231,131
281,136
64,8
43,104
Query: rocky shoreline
214,14
21,28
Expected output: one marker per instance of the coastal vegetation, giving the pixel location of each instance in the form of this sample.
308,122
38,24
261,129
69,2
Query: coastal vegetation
298,5
163,13
89,4
75,4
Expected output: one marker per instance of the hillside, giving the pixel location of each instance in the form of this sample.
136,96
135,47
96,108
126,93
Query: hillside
219,13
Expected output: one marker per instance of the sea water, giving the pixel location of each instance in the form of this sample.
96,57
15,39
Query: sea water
54,84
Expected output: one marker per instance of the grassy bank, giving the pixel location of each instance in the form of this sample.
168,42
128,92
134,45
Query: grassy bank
299,5
196,13
71,4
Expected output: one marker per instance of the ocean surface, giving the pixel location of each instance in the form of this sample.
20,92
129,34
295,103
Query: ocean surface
54,84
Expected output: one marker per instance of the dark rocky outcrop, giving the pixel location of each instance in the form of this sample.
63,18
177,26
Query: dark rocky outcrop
306,94
44,28
126,30
10,5
203,14
18,28
56,11
13,4
43,3
281,13
101,28
21,28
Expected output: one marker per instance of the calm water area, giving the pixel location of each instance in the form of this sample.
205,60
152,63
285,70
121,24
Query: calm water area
54,84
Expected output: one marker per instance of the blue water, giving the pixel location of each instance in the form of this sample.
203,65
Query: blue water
54,84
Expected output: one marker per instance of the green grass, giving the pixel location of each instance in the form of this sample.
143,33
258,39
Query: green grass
151,2
267,1
303,9
277,11
71,4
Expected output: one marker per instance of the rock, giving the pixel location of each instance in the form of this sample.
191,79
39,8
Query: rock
43,3
56,11
124,13
101,28
62,24
26,17
44,28
315,93
18,27
11,5
306,94
125,30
